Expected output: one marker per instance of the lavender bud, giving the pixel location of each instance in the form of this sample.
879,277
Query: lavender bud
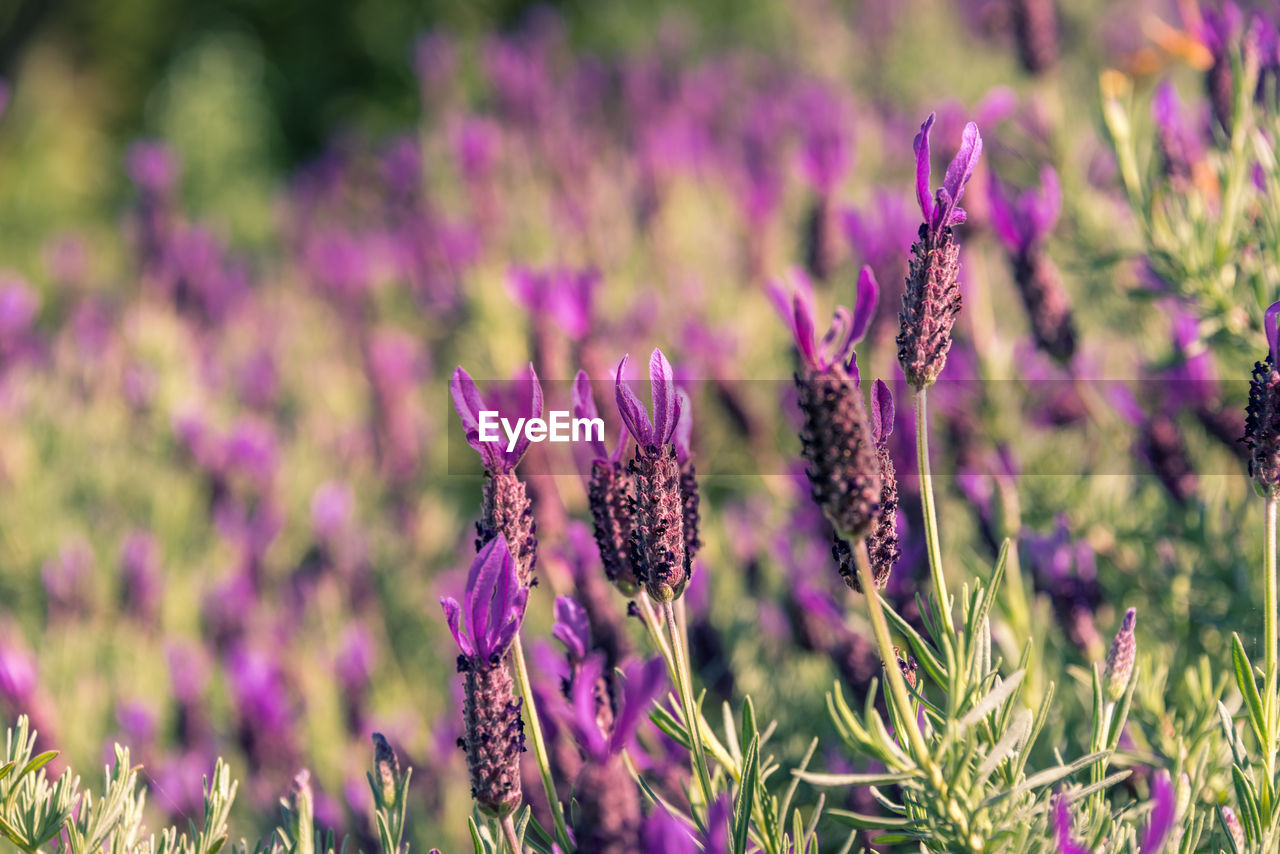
1262,427
836,443
929,307
494,738
610,495
1035,24
386,767
506,510
882,542
657,534
1052,323
1119,669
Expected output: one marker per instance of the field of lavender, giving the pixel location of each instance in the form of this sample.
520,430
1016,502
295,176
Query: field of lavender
940,335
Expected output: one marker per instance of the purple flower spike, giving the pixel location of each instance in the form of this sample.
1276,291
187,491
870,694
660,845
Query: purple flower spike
666,407
572,628
1025,220
1162,814
881,413
467,401
494,603
1062,829
942,210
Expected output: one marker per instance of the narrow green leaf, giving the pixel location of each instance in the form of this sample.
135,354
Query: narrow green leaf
994,699
746,797
1249,689
869,822
817,779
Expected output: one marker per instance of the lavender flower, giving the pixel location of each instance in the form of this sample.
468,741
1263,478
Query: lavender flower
835,441
1120,656
932,301
142,578
609,817
572,628
505,506
610,494
494,736
1181,151
659,557
1022,224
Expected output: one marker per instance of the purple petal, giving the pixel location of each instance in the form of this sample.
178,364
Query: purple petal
1003,218
584,406
631,409
837,344
535,406
683,436
1162,814
1273,333
466,400
920,146
452,614
662,379
1062,829
644,683
966,159
571,627
585,722
881,412
535,411
664,832
865,307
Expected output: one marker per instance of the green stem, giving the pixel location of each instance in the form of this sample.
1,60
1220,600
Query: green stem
1269,623
539,746
509,831
692,718
931,514
654,624
893,673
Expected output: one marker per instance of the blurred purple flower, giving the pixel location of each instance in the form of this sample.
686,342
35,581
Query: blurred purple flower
1163,813
66,578
643,683
559,294
17,675
153,167
141,575
331,508
1024,220
941,210
794,299
572,628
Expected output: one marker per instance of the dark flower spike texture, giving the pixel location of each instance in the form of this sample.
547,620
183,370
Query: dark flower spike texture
658,554
836,438
932,298
494,729
1262,417
610,494
882,541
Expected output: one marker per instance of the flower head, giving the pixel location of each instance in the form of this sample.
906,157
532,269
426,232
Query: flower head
942,209
494,604
469,404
